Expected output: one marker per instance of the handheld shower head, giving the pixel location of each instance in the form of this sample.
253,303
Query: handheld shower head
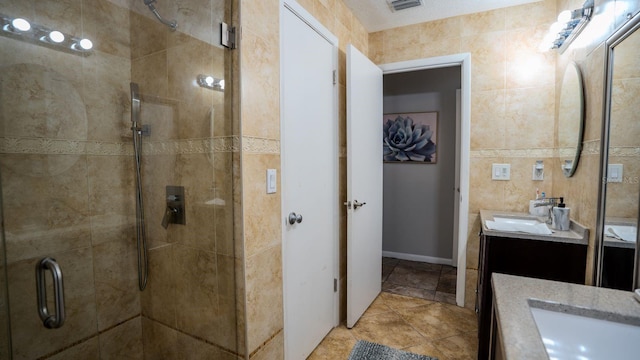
135,104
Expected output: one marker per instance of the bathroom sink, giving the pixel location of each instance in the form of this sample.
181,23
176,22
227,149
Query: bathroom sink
513,224
578,333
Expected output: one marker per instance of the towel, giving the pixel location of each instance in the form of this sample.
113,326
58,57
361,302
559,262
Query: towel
536,228
621,232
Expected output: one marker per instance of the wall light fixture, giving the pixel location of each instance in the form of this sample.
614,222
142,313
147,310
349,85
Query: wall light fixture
566,29
22,29
209,82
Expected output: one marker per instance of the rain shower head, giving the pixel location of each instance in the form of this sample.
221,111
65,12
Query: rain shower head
172,24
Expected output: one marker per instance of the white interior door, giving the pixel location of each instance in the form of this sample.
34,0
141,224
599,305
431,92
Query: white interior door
309,180
456,190
364,183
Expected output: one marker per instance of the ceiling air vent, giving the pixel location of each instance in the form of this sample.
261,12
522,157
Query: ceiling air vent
403,4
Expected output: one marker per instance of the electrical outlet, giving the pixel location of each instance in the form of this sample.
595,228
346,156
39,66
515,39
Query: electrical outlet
501,172
538,174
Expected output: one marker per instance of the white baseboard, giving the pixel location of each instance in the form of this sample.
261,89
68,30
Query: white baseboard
421,258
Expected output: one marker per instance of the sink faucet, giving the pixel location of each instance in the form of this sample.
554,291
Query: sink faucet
550,202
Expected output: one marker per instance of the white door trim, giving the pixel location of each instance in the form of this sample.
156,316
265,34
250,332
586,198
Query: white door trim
300,12
464,61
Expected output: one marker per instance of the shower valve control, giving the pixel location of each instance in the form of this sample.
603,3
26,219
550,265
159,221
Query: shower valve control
175,211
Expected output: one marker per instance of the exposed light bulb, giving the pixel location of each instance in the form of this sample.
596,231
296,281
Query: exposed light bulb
56,36
210,82
556,27
86,44
564,16
20,24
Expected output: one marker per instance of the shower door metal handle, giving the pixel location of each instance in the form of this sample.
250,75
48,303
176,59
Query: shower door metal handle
56,320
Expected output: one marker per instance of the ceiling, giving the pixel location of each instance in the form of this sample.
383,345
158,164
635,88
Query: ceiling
377,15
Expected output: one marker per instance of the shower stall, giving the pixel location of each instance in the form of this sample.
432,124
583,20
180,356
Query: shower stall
76,279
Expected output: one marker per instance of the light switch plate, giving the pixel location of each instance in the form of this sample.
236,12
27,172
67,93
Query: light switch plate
615,173
501,172
271,181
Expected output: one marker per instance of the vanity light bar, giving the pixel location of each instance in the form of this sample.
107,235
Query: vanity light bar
567,28
21,29
209,82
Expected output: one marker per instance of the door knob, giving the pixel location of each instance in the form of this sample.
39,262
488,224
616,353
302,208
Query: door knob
295,218
357,204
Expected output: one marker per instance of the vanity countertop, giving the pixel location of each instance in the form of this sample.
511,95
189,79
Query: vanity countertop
519,334
577,233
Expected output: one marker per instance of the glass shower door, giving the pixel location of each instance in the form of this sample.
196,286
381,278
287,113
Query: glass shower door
67,180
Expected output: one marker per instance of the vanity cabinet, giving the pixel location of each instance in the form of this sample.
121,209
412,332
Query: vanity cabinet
550,260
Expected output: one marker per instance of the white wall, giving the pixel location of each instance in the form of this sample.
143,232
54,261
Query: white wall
418,198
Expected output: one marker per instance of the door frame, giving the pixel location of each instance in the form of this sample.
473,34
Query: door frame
464,61
298,10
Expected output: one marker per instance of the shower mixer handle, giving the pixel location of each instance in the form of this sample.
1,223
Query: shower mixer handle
169,217
175,210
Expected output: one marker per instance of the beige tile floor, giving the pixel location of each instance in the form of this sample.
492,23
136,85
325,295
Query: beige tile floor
421,326
418,279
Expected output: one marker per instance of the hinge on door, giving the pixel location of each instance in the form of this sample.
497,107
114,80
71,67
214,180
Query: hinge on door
335,285
228,36
335,77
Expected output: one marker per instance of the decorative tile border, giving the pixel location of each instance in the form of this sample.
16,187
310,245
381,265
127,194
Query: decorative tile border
191,146
518,153
260,145
42,146
625,151
248,144
342,153
591,147
86,147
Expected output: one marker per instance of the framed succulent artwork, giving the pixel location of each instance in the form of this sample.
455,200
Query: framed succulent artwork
410,137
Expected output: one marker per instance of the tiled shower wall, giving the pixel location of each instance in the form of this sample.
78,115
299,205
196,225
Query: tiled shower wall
68,185
67,182
190,303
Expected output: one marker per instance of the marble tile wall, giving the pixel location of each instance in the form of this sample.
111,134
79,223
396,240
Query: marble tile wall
513,121
624,147
512,100
67,177
260,127
588,51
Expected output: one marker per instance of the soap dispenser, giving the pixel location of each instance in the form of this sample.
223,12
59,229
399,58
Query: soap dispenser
560,218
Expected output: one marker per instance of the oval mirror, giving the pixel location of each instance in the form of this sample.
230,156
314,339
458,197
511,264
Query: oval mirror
570,119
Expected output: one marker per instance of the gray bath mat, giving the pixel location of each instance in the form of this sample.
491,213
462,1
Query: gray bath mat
364,350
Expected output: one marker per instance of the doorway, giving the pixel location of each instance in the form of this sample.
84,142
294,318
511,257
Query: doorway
420,215
462,62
